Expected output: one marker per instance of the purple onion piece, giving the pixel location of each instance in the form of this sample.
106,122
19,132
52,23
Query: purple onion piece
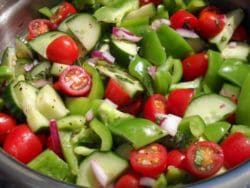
55,140
123,34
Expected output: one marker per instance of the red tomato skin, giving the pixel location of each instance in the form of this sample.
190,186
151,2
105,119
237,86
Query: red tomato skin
65,9
236,148
178,101
154,104
218,159
155,2
7,123
183,19
240,34
116,93
145,155
128,181
210,22
133,107
176,159
72,71
194,66
22,144
63,50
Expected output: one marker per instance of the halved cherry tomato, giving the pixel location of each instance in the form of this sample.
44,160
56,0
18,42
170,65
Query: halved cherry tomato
39,26
195,66
22,144
183,19
64,10
204,159
128,181
210,22
149,161
134,107
63,50
156,2
240,34
75,81
178,101
155,104
116,93
7,123
176,159
236,148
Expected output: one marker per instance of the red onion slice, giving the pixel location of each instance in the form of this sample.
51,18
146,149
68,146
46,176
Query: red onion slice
99,173
187,33
157,23
123,34
103,56
146,181
55,140
170,124
152,70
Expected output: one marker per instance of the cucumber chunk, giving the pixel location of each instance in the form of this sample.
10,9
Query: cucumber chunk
211,108
236,50
57,68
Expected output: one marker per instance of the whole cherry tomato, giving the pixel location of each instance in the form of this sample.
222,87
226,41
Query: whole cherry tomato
183,19
128,181
176,159
7,123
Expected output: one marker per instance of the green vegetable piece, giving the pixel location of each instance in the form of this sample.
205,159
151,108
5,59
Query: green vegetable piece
68,151
216,131
196,5
162,81
45,11
104,133
71,123
241,128
48,163
97,87
161,12
114,11
138,68
5,73
212,80
173,43
147,10
170,5
243,107
152,50
124,150
84,151
139,132
234,70
194,84
161,182
176,176
229,90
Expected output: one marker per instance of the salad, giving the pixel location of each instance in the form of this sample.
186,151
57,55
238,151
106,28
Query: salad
128,93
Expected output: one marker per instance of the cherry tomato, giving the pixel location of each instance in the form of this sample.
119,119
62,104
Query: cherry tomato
63,50
7,123
64,10
149,161
240,34
236,148
176,159
116,93
43,139
204,159
194,66
134,107
178,101
128,180
155,104
183,19
210,22
74,81
38,27
156,2
22,144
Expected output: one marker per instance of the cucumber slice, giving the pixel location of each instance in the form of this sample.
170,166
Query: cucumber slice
57,68
40,43
40,71
233,19
211,108
9,59
123,51
86,29
50,104
236,50
63,27
23,50
112,165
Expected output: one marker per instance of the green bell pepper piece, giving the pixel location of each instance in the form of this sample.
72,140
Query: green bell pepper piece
216,131
212,80
45,11
162,81
152,50
139,132
196,5
243,107
234,70
104,133
71,123
161,182
161,12
138,68
97,88
244,129
174,44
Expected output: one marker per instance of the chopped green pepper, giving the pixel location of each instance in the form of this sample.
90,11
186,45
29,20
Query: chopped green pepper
139,132
162,81
161,12
161,182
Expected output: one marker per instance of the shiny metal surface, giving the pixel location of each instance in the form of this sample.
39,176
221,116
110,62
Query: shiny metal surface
14,17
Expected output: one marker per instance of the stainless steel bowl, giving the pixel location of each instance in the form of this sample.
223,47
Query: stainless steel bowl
14,17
